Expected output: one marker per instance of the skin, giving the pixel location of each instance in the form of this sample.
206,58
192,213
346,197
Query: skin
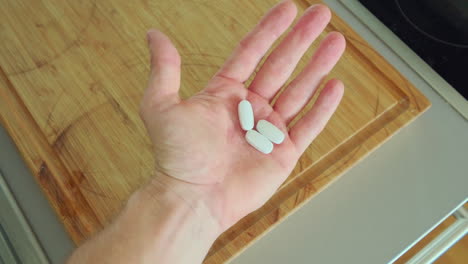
207,176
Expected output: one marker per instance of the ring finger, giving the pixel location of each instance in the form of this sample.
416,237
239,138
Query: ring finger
282,61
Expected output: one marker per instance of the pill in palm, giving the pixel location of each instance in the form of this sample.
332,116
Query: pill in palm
246,116
270,131
259,142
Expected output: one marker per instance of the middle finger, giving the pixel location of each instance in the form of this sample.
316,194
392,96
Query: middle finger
282,61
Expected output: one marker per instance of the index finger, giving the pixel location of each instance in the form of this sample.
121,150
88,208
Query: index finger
253,47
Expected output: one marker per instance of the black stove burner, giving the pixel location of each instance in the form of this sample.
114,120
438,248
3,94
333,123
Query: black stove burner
436,30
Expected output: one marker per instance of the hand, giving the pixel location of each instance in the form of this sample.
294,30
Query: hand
207,176
199,145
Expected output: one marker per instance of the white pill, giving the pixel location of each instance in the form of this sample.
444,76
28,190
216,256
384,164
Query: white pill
259,142
246,116
270,131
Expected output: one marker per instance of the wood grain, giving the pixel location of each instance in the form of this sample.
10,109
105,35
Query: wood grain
72,74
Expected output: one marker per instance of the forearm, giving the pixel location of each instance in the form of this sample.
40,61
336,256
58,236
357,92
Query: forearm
156,226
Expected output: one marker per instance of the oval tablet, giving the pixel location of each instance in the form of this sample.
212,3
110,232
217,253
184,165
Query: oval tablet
270,131
246,116
259,142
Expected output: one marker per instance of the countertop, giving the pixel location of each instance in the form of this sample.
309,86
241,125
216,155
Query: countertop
411,183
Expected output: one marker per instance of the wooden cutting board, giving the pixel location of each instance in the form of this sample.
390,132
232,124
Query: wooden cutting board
73,72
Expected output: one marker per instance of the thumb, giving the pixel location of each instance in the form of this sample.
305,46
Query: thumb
164,80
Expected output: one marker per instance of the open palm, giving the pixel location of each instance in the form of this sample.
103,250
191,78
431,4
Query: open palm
199,142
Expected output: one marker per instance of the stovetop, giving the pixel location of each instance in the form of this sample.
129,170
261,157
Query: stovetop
435,30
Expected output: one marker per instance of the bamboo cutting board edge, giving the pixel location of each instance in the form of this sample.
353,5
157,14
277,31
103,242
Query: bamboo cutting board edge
345,163
42,161
276,215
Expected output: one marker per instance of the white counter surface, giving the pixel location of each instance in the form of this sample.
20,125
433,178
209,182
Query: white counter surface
370,215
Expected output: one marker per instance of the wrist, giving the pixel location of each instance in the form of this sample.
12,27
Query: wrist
157,222
165,193
169,215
